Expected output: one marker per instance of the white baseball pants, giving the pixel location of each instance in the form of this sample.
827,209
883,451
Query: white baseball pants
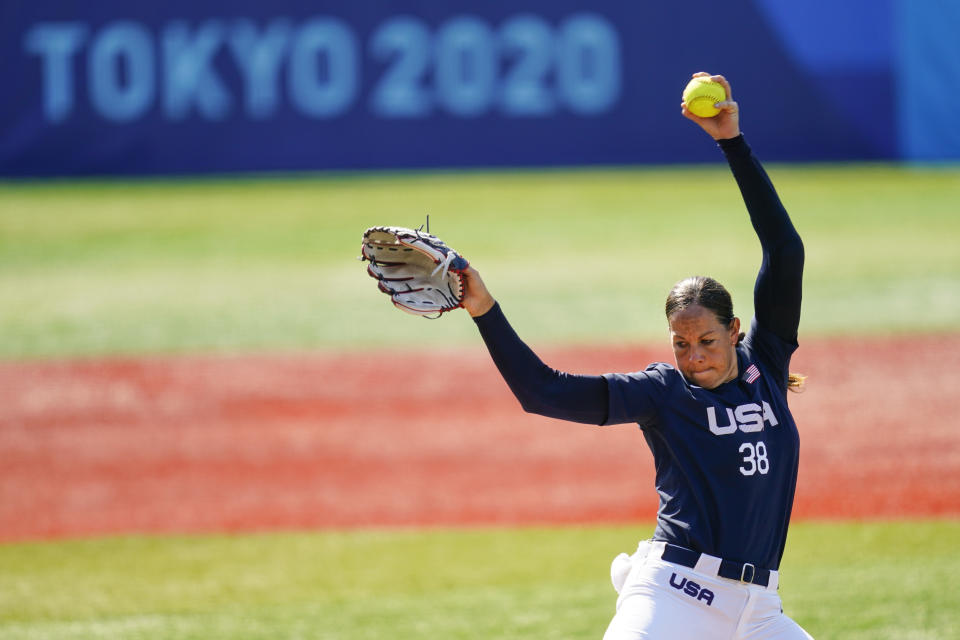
665,601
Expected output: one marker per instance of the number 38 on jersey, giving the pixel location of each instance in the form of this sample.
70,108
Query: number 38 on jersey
748,418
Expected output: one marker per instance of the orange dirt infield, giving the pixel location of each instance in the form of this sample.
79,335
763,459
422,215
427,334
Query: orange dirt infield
229,443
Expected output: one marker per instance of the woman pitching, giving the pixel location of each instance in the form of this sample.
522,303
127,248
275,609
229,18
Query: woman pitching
724,443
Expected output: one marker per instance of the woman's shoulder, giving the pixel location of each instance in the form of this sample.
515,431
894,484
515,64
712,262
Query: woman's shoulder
767,350
659,373
664,371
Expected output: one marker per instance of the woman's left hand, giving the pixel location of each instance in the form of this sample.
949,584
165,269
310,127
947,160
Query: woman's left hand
476,298
725,124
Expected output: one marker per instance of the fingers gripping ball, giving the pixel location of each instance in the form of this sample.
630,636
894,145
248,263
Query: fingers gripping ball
701,94
420,273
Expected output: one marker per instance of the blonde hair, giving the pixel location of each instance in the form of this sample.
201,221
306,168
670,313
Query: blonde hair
796,382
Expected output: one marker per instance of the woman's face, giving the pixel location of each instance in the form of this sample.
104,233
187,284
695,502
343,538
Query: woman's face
705,349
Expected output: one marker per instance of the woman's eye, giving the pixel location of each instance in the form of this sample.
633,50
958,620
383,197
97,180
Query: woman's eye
710,341
679,345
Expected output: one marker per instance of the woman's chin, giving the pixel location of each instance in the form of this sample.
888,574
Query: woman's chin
705,379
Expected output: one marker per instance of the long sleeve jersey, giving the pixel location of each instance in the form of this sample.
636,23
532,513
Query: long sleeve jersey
725,458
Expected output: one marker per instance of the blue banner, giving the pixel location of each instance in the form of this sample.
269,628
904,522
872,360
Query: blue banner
928,74
202,86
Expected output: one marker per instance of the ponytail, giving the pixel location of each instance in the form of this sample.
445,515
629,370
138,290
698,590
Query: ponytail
796,382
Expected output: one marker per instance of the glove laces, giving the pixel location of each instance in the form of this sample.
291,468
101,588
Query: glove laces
444,264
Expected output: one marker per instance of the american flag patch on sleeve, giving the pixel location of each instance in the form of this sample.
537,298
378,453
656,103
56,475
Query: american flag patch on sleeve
751,374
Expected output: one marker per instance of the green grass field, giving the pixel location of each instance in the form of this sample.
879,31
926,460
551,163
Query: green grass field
266,264
92,268
851,581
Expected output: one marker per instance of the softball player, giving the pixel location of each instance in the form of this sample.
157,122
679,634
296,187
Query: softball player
724,443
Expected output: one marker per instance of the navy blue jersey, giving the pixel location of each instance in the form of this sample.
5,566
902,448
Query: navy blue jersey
725,458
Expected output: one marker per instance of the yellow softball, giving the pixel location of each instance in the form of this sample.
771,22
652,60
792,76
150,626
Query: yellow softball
701,94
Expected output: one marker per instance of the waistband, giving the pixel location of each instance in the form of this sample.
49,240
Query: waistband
744,572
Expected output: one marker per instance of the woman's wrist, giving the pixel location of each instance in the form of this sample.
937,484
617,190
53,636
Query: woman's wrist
731,140
480,307
735,147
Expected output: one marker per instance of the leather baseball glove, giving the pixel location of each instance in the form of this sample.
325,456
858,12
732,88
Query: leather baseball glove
420,273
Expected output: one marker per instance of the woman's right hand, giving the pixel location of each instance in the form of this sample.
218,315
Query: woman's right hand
724,125
476,299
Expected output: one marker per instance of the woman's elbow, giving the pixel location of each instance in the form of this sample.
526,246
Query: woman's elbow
791,251
540,404
533,405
